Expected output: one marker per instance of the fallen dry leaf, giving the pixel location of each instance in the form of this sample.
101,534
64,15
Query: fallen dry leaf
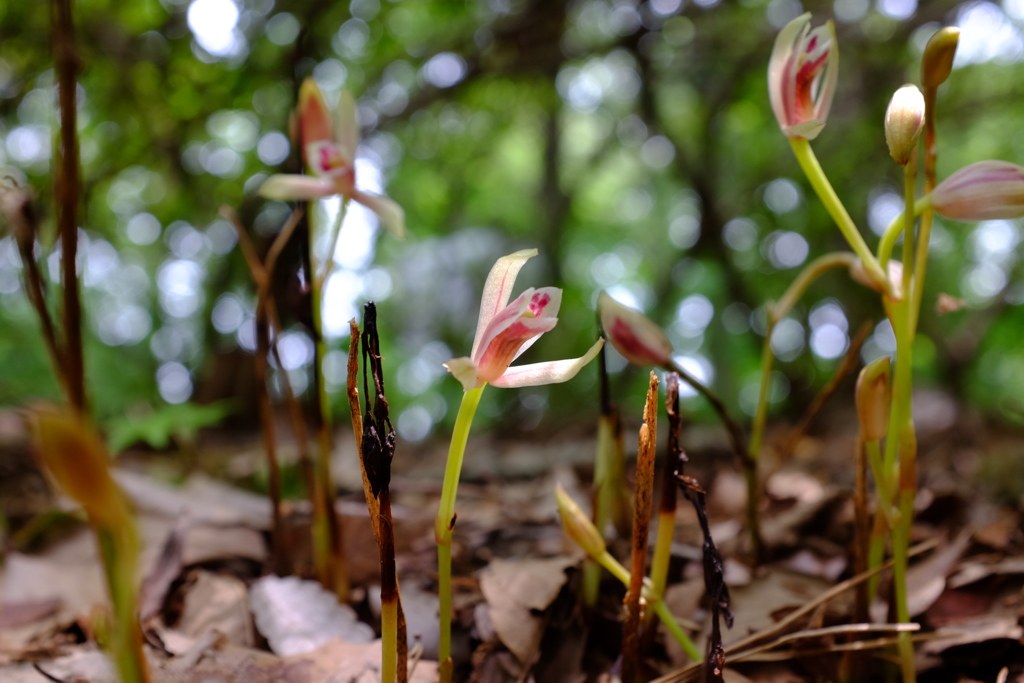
517,593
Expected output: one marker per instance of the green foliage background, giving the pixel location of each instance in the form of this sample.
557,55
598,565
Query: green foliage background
620,138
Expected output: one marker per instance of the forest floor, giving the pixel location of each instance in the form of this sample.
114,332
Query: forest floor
210,612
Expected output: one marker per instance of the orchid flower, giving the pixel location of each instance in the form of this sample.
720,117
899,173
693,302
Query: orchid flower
985,190
329,150
633,335
505,330
802,76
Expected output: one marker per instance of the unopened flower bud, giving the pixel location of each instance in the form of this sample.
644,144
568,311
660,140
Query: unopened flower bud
578,525
873,399
639,340
937,62
986,190
904,120
78,461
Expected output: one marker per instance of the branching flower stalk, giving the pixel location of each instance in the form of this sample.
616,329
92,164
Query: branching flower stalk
583,532
267,326
78,462
504,331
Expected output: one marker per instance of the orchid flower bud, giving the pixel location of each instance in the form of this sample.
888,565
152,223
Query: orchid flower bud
937,62
578,525
985,190
873,399
904,120
639,340
802,75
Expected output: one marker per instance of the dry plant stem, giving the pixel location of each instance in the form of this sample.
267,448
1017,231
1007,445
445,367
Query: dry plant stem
279,552
849,363
631,655
736,438
18,210
444,524
67,187
667,503
267,322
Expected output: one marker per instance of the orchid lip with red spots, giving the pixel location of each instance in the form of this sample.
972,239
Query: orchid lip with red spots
802,76
505,330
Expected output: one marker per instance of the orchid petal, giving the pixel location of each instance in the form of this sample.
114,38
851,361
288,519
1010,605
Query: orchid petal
346,124
551,372
800,91
498,289
463,370
389,212
314,117
781,62
297,187
549,309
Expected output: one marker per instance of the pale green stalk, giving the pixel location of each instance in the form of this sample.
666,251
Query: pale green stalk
896,228
812,169
662,550
445,522
119,552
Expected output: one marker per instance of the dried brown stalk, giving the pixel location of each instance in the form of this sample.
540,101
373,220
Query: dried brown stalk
67,192
631,659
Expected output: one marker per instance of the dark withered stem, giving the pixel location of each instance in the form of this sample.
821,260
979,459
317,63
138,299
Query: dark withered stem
647,444
714,577
267,323
607,408
736,438
674,450
67,191
376,453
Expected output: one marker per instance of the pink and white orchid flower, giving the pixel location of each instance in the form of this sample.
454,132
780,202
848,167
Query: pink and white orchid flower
329,150
505,330
802,76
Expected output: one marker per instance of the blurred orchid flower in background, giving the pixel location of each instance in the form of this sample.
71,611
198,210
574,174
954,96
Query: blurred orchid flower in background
505,330
329,150
985,190
802,76
633,335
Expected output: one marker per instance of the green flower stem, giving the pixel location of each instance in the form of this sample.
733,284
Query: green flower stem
885,518
445,522
812,169
662,550
119,551
896,228
655,602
